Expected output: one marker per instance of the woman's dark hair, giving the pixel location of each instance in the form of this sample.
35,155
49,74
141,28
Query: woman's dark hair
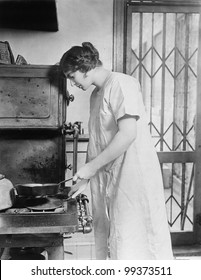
82,58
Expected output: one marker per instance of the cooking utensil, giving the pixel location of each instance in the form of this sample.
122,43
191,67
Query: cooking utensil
39,190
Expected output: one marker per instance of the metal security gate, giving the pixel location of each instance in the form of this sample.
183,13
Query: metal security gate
161,40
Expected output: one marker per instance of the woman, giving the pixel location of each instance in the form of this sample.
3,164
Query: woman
125,178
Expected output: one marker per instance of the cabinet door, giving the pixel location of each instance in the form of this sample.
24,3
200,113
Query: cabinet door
31,97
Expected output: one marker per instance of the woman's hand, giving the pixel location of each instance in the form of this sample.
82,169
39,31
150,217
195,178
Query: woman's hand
84,174
78,188
86,171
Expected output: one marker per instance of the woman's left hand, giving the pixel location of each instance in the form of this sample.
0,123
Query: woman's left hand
85,172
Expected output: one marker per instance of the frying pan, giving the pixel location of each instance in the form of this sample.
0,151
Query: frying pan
38,190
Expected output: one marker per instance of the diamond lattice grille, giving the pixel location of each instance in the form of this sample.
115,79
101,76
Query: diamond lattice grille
164,49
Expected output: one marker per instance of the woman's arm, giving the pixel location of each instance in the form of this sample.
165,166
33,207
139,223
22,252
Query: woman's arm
124,137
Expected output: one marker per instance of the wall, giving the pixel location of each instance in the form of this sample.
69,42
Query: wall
79,21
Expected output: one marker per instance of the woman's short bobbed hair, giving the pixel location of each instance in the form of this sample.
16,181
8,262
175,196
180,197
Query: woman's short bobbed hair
82,58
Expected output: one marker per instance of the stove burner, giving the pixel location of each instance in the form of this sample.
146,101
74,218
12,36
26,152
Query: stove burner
29,202
44,204
25,205
17,211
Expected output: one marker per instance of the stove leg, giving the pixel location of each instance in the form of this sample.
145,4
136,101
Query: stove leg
55,253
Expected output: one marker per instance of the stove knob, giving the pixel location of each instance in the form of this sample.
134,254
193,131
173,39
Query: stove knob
71,98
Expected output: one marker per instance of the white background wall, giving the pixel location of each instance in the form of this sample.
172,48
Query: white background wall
79,21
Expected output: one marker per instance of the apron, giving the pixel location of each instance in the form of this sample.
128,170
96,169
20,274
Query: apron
128,204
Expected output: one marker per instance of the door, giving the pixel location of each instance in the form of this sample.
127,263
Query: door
161,40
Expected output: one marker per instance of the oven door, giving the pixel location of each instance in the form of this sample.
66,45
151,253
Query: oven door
32,156
32,97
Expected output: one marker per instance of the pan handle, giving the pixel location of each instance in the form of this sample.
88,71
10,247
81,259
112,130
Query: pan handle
65,180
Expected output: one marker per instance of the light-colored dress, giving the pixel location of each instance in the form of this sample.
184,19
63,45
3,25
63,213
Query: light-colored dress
128,203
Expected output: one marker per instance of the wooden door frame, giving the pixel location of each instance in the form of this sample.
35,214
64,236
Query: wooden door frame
120,31
197,191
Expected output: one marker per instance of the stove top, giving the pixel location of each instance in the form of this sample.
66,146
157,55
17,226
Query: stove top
39,205
44,215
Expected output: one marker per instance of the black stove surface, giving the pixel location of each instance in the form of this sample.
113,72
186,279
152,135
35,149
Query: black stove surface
39,203
20,219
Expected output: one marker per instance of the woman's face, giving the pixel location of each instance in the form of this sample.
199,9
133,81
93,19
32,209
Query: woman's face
80,80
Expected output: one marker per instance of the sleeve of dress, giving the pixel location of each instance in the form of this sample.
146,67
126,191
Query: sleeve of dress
125,98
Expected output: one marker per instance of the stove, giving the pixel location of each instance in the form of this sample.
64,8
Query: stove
51,216
45,214
38,205
33,104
